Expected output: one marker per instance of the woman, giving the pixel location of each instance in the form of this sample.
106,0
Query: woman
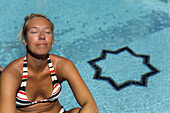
32,84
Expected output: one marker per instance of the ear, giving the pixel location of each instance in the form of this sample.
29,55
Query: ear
24,40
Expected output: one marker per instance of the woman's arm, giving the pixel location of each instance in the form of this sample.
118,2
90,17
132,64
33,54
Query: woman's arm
79,88
9,82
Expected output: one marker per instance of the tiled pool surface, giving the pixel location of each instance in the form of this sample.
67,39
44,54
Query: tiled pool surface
84,29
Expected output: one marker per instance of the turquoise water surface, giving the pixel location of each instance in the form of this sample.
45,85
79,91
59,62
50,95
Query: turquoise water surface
131,75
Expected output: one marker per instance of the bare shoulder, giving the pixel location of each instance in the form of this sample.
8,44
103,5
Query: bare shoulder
60,61
62,66
14,69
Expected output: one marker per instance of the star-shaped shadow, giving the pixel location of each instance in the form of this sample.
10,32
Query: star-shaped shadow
144,77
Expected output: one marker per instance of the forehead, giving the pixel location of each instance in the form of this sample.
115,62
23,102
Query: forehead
38,21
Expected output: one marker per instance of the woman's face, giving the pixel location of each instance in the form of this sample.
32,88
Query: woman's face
39,36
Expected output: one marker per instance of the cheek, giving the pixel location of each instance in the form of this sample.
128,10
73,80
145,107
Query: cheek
32,39
50,40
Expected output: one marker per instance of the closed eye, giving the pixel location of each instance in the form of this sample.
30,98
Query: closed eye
48,32
34,32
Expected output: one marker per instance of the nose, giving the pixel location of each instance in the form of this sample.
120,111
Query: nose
42,36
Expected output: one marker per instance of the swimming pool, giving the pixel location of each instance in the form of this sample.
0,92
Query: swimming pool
84,28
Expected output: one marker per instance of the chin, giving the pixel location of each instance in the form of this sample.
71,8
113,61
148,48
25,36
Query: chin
41,53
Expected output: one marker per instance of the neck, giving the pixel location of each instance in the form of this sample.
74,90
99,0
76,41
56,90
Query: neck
37,64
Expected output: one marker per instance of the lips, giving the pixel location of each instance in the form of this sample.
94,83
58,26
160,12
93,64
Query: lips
42,44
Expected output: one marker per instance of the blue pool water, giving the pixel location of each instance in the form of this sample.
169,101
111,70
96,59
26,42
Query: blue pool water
83,28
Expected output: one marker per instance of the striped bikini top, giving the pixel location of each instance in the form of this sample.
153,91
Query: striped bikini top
21,98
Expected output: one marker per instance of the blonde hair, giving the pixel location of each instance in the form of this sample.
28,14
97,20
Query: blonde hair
27,19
